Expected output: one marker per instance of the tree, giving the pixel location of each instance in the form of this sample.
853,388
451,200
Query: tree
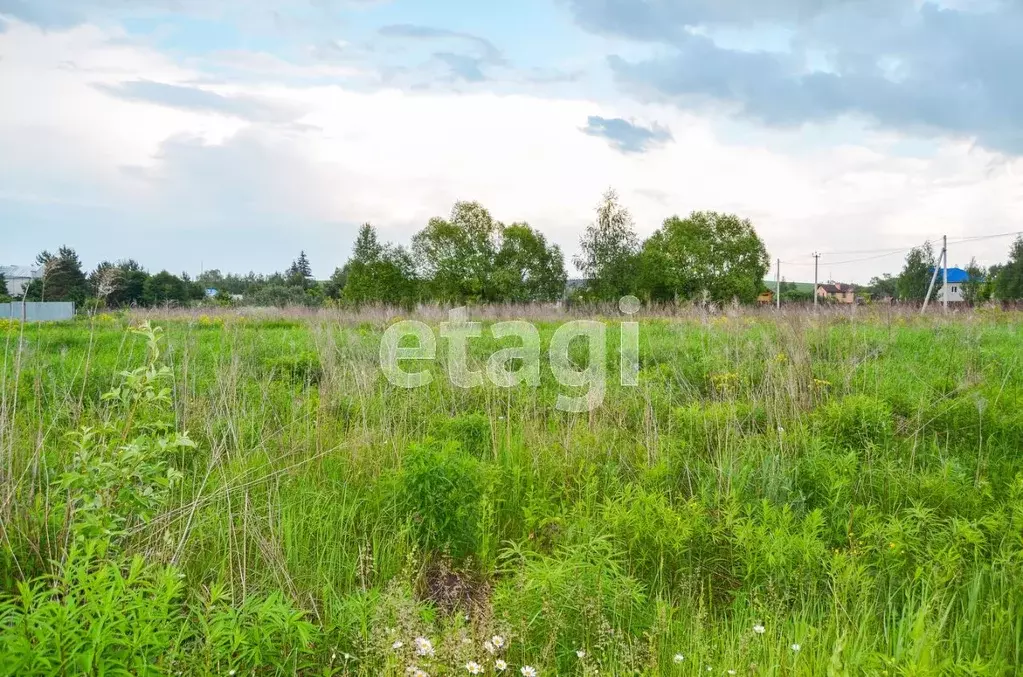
973,288
120,284
165,287
334,287
988,291
527,268
884,286
63,279
1009,285
916,274
300,274
456,256
609,249
706,255
4,296
378,273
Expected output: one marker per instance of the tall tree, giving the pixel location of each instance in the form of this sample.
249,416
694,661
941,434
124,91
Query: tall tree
1009,285
376,273
527,268
706,255
63,279
4,294
300,274
609,249
973,288
455,256
916,274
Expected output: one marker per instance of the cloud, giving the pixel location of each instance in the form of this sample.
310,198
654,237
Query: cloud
914,67
468,67
255,109
488,51
626,136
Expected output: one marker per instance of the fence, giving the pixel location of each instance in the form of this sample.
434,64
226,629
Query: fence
38,311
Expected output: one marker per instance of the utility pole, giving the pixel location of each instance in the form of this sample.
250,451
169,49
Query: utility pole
944,269
777,286
943,260
816,263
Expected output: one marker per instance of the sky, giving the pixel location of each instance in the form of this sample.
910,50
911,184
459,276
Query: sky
232,134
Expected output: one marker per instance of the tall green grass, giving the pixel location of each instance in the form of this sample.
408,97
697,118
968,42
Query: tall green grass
850,484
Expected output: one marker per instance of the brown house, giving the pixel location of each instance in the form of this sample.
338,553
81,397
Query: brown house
837,292
766,296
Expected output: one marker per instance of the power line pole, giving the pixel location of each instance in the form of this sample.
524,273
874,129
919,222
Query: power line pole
777,285
934,276
944,268
816,264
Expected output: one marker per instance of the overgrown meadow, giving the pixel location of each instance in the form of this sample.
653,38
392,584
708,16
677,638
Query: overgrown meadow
794,494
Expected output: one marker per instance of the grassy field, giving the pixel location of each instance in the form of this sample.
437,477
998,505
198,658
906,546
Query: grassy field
838,494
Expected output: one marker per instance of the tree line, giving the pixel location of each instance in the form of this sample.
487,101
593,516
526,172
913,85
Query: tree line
469,257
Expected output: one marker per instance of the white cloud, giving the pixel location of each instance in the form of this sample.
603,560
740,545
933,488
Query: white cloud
254,194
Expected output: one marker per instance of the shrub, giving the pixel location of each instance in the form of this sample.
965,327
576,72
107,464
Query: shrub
444,488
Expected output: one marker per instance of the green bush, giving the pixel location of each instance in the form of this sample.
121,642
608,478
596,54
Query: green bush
443,488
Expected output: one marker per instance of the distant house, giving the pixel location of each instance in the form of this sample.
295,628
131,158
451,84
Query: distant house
837,292
19,277
765,297
957,277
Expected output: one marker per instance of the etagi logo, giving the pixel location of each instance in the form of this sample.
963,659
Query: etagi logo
458,331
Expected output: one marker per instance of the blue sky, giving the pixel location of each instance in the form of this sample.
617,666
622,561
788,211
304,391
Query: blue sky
194,134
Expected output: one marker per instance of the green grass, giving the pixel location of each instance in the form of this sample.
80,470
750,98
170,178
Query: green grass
852,482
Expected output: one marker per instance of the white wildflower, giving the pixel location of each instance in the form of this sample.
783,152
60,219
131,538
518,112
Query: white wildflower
759,629
423,647
580,653
500,665
678,658
497,641
796,648
528,671
731,672
489,646
397,644
474,668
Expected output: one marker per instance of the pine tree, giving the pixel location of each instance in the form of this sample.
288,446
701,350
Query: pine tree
63,279
300,274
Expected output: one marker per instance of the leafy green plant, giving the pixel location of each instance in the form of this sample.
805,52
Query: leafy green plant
443,488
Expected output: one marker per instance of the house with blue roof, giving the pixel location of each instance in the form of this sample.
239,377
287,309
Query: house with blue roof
957,277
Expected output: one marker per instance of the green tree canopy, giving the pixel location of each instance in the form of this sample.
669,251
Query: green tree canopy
165,287
527,268
63,279
456,256
300,273
884,286
1009,285
974,287
916,274
609,251
377,273
707,253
